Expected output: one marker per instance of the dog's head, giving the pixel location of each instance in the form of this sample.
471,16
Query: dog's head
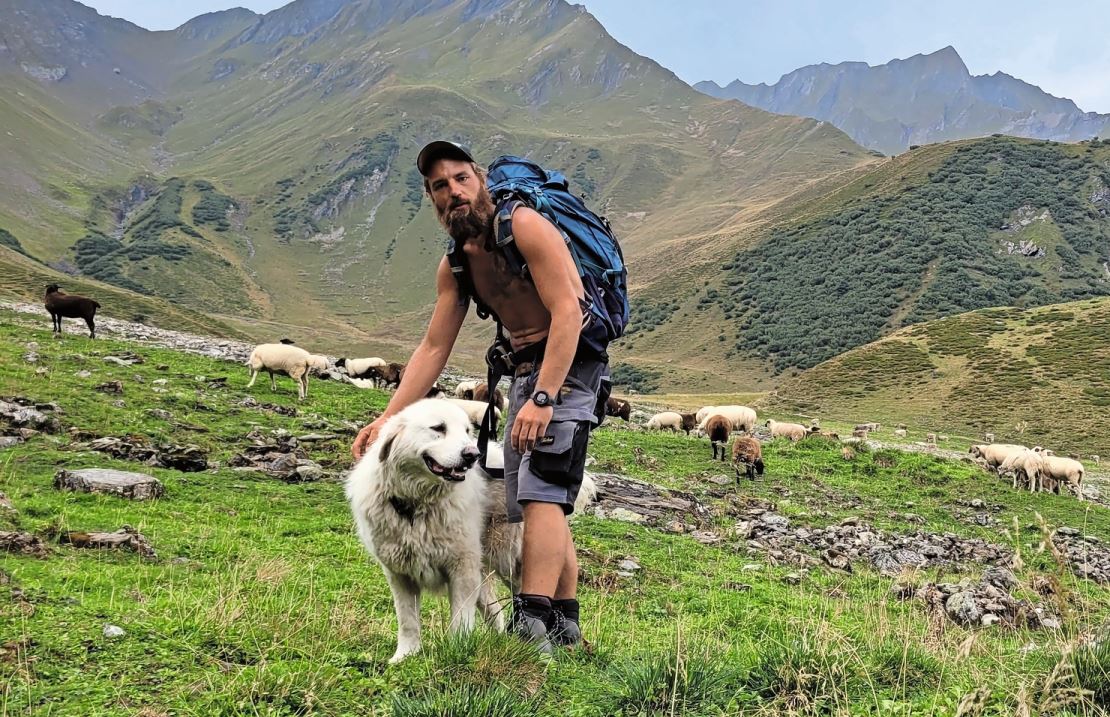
432,433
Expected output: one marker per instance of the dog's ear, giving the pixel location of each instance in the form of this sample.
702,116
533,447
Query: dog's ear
387,447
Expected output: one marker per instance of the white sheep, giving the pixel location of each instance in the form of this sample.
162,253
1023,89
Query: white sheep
465,389
1094,458
900,432
743,418
667,420
989,437
284,359
1062,469
475,410
1026,466
319,364
995,454
793,431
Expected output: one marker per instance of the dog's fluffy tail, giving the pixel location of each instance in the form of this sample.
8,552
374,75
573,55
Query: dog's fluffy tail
586,494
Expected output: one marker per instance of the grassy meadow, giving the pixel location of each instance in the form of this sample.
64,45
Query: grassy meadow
261,601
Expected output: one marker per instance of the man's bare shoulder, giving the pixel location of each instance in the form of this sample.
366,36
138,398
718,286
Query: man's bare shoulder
529,219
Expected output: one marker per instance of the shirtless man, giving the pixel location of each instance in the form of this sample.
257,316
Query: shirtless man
554,391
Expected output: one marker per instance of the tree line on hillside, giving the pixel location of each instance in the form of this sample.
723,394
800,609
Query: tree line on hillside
816,289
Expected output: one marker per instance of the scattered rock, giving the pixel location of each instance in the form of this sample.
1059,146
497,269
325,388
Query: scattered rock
628,564
31,357
113,631
963,608
159,413
6,502
125,484
126,538
317,437
23,543
9,441
705,537
251,402
17,412
634,501
83,374
110,387
283,459
622,514
186,458
792,578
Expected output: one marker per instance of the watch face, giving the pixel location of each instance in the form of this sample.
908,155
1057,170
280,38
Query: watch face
540,398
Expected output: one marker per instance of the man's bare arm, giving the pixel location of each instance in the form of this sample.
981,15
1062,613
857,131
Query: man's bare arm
429,358
557,283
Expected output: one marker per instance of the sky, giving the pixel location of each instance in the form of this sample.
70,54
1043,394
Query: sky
1060,47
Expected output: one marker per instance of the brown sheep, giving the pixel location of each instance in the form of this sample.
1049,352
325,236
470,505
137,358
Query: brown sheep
689,422
481,393
747,452
390,374
718,429
618,408
71,306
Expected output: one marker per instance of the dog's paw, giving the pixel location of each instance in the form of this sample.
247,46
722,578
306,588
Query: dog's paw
403,651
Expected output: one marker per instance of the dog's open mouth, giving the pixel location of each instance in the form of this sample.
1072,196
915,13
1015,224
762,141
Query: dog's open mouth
457,473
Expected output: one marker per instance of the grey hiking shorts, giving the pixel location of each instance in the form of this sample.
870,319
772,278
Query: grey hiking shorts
552,471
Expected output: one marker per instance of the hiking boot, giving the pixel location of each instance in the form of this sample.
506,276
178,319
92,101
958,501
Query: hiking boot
564,631
528,626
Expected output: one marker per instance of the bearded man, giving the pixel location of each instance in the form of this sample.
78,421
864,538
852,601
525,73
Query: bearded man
554,394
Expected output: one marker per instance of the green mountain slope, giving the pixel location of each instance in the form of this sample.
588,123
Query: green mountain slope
990,222
309,118
1038,376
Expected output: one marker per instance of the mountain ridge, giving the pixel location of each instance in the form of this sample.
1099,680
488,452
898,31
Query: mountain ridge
922,99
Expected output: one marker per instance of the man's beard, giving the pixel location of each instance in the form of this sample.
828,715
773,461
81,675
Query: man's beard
472,221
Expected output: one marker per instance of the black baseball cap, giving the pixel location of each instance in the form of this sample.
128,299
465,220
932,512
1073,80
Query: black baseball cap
441,149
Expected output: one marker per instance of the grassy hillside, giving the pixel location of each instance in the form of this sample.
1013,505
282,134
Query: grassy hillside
26,280
1038,376
261,601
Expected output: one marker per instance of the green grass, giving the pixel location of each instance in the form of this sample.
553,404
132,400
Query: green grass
262,602
1036,376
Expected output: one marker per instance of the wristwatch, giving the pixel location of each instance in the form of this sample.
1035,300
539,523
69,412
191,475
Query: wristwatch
541,398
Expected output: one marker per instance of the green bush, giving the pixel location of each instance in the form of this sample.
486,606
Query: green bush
633,378
8,240
815,289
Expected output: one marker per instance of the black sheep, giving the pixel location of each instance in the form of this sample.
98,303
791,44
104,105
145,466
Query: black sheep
71,306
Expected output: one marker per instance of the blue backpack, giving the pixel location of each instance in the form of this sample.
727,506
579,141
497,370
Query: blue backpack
597,254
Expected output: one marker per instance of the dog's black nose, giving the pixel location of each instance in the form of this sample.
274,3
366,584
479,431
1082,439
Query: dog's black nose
470,455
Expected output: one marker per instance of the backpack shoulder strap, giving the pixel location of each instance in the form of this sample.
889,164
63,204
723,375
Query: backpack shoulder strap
504,236
461,271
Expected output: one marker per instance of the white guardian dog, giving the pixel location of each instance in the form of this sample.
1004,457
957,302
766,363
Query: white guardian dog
434,520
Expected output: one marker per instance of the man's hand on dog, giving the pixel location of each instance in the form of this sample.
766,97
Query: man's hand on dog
529,425
366,437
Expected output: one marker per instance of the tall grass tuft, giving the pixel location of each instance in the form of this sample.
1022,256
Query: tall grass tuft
671,683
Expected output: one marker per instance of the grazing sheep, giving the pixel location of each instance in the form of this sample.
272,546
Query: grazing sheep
475,410
988,437
793,431
689,422
70,306
931,439
360,367
318,363
465,389
1048,452
815,424
995,454
1067,470
388,375
718,429
869,427
289,342
1094,458
282,359
436,391
902,427
942,437
481,393
1026,467
827,435
618,408
747,453
900,432
743,418
859,433
667,420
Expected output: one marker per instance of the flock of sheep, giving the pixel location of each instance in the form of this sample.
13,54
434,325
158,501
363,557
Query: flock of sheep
1037,468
